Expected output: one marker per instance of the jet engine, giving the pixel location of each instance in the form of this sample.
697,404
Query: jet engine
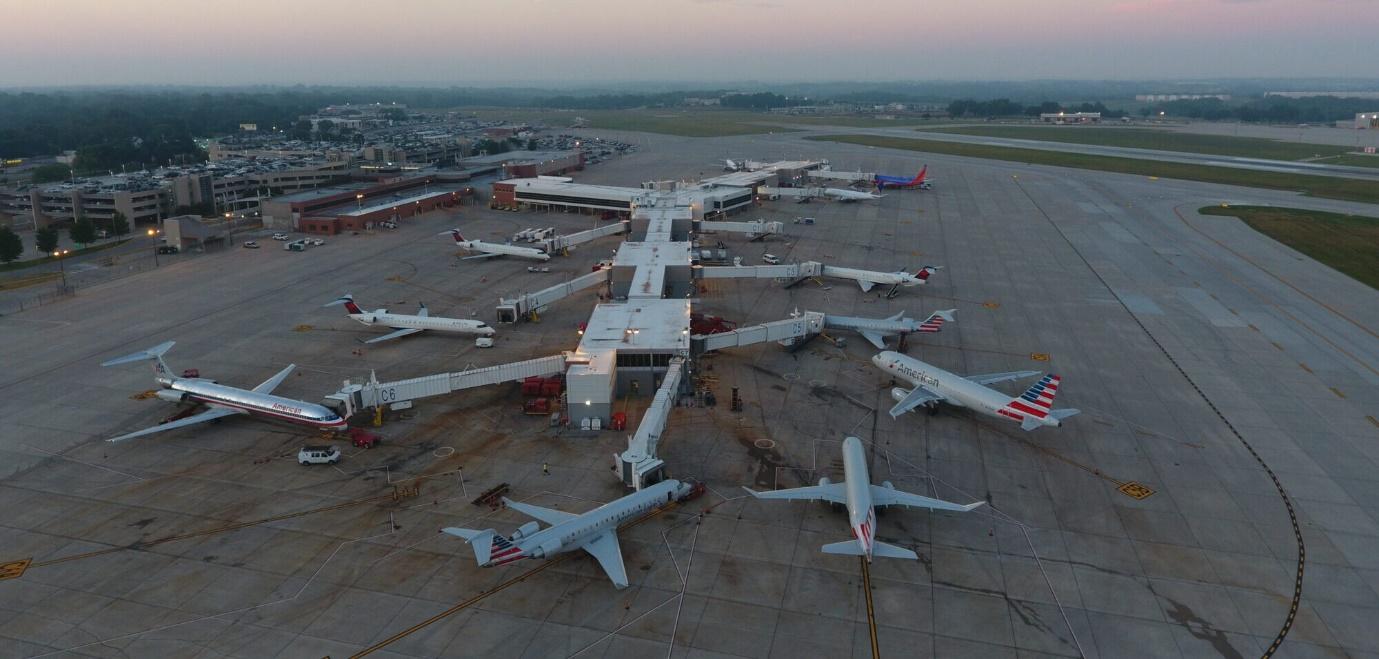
547,549
899,393
887,485
825,481
526,530
171,395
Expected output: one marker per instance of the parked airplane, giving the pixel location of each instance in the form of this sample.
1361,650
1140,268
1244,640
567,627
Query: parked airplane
861,498
876,330
919,181
1032,409
742,165
224,400
404,324
595,531
840,194
868,278
490,250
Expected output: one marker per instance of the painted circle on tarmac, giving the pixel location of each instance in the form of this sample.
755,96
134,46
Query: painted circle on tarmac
765,444
444,452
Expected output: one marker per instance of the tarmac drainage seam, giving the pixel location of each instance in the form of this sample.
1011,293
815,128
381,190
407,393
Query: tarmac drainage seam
1283,494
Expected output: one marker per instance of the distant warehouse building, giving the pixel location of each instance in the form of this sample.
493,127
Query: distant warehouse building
1070,117
360,206
1367,121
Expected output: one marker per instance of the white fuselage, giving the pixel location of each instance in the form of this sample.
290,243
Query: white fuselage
955,389
861,513
505,250
872,276
849,195
433,323
206,392
573,533
880,325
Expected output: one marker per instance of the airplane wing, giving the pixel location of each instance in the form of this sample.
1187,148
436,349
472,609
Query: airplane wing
993,378
272,383
546,515
885,496
406,331
833,493
213,413
918,396
423,311
866,285
604,547
877,339
485,255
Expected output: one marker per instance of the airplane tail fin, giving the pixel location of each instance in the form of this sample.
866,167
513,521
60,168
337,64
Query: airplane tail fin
845,548
348,300
160,367
923,273
454,234
1036,403
919,178
891,551
935,321
489,547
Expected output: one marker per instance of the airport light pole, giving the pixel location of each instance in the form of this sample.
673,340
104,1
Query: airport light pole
359,199
58,254
153,233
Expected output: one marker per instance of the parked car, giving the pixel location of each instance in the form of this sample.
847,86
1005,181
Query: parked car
317,241
483,342
318,455
770,259
251,244
167,249
279,236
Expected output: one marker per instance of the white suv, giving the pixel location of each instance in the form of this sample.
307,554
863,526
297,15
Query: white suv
318,455
280,236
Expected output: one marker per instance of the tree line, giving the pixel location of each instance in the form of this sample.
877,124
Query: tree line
1269,109
1004,107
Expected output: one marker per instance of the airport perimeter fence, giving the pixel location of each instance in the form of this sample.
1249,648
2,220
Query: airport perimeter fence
79,276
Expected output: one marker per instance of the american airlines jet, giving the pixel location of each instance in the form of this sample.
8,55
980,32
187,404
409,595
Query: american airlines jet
861,499
404,324
932,385
490,250
224,400
595,531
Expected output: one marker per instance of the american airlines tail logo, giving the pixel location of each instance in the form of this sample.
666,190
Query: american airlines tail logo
503,552
932,324
1036,401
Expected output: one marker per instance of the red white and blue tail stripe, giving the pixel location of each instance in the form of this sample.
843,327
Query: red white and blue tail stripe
1036,402
932,324
503,552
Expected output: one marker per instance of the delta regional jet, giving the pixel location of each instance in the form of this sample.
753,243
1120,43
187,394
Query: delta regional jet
869,278
595,531
404,324
932,385
490,250
223,400
861,499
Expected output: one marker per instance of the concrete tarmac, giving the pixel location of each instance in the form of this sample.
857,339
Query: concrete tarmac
1204,357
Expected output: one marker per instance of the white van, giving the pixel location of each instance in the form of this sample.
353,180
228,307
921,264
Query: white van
318,455
770,259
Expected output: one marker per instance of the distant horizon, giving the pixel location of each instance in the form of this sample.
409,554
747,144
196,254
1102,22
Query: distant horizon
540,42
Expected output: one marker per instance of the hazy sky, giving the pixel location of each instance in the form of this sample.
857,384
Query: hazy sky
216,42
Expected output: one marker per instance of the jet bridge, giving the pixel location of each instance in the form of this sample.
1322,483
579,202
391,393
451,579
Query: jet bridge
783,271
526,304
755,230
807,323
638,465
559,244
356,397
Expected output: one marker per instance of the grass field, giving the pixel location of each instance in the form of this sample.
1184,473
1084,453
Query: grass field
1158,140
1317,186
686,123
1352,160
1347,243
20,265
